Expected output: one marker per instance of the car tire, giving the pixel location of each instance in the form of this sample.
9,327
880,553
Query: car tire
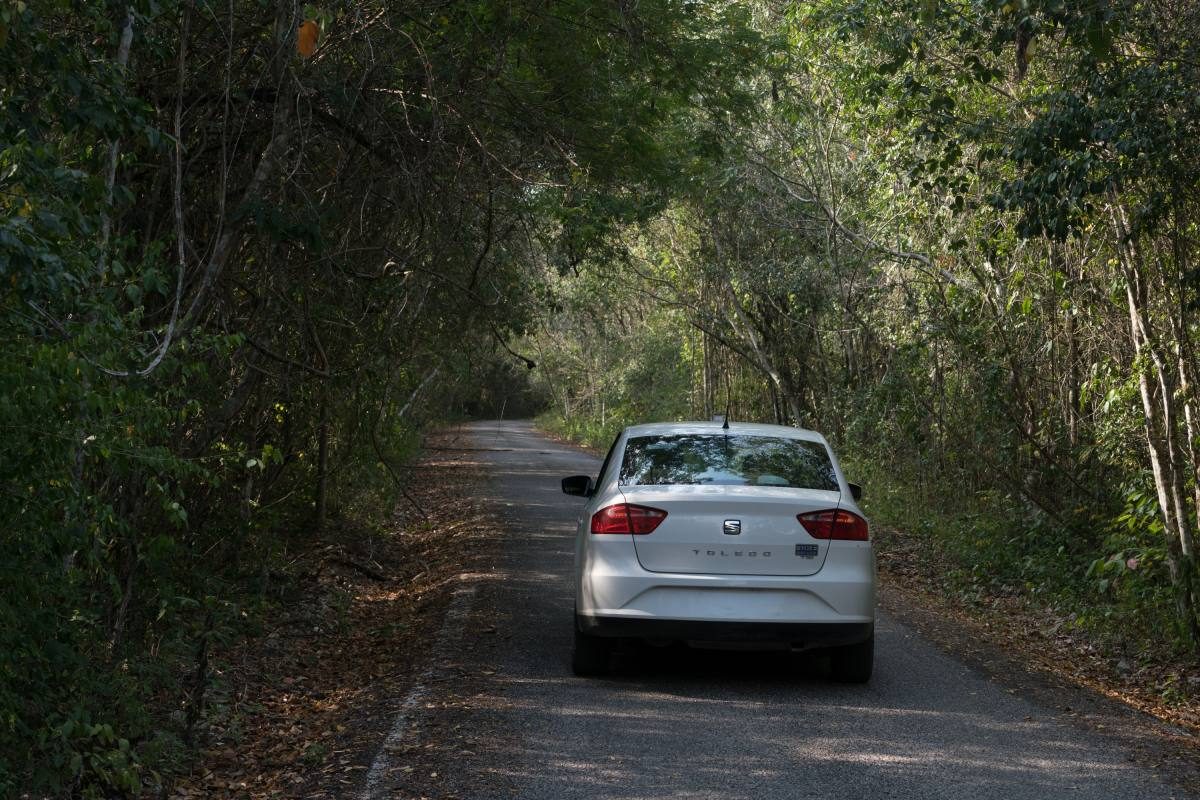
853,663
590,655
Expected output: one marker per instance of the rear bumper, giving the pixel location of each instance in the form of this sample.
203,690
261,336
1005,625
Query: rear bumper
612,584
797,634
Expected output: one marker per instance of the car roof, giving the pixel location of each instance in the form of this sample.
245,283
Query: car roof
746,428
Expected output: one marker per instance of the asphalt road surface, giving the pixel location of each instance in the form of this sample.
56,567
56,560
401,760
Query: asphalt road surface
510,720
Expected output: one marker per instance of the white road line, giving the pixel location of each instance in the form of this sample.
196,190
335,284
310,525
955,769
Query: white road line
448,637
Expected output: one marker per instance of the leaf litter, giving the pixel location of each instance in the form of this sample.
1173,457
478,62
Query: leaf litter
311,697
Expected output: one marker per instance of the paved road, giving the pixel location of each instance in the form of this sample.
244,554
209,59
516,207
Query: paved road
691,724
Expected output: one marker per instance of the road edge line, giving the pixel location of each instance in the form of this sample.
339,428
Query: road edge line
449,634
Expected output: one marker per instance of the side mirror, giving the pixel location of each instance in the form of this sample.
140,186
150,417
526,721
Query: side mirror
578,485
855,490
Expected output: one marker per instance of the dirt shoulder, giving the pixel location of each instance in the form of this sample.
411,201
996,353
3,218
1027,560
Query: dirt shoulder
1021,648
305,705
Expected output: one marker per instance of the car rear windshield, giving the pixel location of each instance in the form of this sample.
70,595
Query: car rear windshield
731,460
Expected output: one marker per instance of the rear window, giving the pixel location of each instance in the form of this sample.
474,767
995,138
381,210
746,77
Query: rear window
730,460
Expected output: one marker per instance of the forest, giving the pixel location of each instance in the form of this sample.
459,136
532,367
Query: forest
251,250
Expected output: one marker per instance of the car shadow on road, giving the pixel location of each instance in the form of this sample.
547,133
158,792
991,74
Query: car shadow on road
641,663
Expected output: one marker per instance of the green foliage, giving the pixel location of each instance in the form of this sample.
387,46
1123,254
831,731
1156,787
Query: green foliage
237,283
959,239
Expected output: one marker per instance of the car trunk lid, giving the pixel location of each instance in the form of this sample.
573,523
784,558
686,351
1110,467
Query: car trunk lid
731,530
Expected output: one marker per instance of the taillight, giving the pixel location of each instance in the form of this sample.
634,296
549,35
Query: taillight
834,524
627,518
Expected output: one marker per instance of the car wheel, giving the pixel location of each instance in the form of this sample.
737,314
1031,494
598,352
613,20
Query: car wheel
590,655
853,663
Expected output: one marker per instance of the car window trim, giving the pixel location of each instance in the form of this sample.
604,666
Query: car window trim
814,444
607,461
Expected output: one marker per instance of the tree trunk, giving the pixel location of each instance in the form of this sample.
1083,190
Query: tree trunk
322,493
1159,404
744,327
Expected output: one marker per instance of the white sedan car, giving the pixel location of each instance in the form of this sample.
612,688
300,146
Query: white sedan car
713,534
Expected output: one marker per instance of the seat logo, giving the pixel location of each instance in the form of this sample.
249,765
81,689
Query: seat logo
732,527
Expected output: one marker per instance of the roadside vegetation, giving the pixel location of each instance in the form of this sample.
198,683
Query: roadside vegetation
960,239
249,250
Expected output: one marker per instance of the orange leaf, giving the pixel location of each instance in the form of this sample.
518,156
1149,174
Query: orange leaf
306,38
